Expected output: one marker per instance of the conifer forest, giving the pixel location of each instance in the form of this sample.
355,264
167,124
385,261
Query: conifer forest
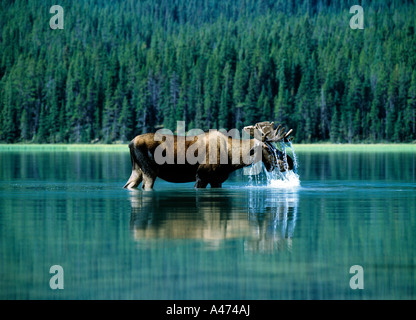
121,68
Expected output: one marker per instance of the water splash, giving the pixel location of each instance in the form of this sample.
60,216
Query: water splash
260,177
294,157
286,179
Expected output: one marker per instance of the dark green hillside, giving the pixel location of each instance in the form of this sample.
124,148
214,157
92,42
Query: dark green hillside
120,68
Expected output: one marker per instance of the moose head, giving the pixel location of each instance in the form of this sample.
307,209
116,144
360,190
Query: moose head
265,133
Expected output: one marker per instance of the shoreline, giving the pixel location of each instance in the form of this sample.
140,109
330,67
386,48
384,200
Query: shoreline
314,147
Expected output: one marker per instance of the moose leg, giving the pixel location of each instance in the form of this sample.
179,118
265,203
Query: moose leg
135,179
136,176
216,184
148,182
200,183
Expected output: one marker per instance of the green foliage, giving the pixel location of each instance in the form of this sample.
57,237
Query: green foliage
121,68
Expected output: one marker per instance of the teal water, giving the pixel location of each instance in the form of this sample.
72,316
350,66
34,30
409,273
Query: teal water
239,242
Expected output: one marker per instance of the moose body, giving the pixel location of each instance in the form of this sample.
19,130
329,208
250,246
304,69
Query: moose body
217,156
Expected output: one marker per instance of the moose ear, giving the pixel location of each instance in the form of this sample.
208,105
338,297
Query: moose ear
266,146
250,130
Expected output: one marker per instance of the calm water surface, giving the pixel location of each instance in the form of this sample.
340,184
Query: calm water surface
239,242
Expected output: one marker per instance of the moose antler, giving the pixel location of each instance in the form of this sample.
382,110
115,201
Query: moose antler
267,132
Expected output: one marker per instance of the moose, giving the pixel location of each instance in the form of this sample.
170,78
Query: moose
218,155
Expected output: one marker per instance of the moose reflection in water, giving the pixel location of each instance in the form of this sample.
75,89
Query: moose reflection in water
265,223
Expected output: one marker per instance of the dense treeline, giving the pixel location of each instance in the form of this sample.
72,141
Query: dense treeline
120,68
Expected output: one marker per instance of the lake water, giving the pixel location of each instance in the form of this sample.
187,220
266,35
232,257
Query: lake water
239,242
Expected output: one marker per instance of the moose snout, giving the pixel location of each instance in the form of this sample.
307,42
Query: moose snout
284,166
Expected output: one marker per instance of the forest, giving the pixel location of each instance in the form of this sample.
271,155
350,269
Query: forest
121,68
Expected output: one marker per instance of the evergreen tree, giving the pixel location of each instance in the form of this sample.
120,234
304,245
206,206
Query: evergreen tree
125,121
251,110
410,112
224,115
335,127
128,67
